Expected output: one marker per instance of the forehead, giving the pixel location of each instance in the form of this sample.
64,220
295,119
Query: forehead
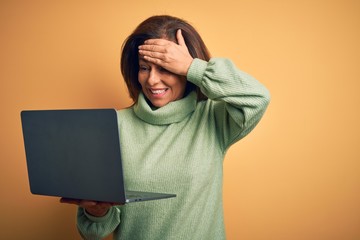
141,58
143,61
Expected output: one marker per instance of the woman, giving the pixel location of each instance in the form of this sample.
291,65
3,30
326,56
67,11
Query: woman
188,110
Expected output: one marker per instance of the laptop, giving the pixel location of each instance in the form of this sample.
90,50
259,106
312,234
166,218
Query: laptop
75,153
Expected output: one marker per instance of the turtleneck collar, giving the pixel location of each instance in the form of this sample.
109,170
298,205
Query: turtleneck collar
170,113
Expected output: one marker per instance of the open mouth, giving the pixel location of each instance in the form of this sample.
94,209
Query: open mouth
158,92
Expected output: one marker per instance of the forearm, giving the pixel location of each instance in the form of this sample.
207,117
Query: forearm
240,100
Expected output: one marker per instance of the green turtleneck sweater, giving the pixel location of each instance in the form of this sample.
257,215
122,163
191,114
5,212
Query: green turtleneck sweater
179,148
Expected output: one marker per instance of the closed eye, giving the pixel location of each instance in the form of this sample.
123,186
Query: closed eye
143,68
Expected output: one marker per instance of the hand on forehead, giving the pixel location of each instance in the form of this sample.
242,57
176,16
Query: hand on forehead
167,54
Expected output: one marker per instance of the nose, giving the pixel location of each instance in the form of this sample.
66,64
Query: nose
154,77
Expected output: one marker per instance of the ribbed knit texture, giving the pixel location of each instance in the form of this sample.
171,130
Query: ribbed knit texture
179,148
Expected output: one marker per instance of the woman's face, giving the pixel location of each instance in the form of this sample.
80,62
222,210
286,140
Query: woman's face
159,85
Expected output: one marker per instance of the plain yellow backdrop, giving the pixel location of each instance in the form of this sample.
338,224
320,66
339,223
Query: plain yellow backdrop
295,177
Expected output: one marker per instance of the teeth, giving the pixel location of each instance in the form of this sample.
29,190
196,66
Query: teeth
158,91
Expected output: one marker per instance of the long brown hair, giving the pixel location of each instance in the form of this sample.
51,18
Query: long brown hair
162,26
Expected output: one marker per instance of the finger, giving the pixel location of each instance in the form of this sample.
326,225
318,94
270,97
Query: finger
156,41
180,38
155,61
108,204
152,48
87,203
70,201
150,54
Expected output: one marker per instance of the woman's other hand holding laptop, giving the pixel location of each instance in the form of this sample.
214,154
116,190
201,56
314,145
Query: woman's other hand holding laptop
94,208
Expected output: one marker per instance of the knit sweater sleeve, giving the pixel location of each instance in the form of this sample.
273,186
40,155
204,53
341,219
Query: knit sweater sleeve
95,228
238,100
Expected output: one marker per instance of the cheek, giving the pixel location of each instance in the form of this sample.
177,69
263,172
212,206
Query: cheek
141,79
182,84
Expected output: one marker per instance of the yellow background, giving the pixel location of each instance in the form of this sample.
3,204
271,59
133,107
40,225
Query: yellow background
295,177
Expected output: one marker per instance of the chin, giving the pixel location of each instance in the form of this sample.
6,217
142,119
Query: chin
159,105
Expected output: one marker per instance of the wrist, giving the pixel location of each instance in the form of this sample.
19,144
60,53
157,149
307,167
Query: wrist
187,67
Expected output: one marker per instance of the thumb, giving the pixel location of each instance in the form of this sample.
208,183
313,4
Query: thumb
180,38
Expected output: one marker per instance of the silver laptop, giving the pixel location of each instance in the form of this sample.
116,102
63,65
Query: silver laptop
76,154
